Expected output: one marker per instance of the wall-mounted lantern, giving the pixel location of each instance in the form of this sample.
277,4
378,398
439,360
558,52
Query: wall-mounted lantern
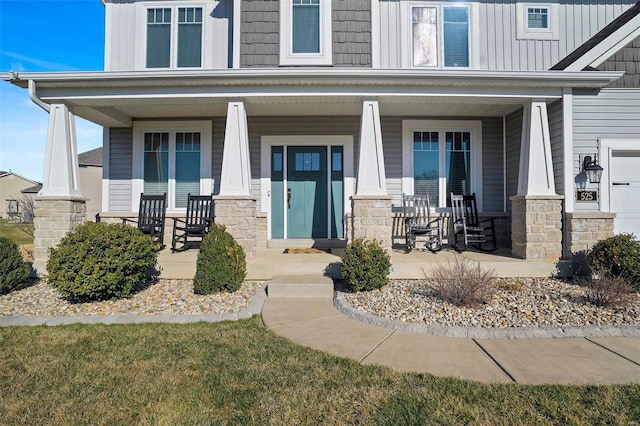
592,169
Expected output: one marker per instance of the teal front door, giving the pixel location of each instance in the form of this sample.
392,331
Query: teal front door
306,195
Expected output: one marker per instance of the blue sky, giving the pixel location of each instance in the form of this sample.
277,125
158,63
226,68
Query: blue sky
44,36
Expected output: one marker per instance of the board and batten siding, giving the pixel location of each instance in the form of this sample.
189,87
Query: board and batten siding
260,36
610,114
125,33
514,141
120,169
498,46
556,135
492,165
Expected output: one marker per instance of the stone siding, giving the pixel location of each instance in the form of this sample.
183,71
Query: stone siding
371,218
238,214
261,221
584,231
536,227
54,218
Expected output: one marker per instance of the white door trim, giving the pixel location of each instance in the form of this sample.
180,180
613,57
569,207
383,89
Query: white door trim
266,142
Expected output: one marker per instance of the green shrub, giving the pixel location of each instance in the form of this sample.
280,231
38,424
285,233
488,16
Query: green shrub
365,265
100,261
13,269
619,256
221,263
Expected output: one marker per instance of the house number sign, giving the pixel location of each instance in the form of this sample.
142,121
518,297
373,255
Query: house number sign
587,196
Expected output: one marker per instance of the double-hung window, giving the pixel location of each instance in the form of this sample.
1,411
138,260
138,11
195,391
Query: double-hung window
173,161
440,36
439,159
174,37
305,32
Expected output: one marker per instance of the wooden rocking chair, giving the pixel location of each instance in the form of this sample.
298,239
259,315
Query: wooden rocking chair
195,225
466,224
418,223
151,217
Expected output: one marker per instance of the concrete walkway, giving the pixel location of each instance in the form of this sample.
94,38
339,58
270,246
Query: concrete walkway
315,322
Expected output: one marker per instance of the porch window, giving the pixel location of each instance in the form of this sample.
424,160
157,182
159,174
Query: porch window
440,36
174,37
172,165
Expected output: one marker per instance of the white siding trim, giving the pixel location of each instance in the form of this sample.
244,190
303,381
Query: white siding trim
567,128
237,21
106,167
375,34
473,126
108,25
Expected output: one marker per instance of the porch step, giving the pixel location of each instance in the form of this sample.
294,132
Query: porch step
300,286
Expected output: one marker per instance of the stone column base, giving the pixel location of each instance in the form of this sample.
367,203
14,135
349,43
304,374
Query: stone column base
238,214
536,226
584,230
54,218
371,218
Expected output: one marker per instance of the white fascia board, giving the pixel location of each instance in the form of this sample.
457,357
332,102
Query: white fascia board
609,46
315,76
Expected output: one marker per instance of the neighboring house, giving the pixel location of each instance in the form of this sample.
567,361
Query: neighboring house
308,119
90,164
12,187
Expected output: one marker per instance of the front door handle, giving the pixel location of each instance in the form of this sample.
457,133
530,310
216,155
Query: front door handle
620,183
288,198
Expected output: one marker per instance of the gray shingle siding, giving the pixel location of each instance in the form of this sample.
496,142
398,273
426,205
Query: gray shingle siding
260,36
259,33
556,134
626,59
351,28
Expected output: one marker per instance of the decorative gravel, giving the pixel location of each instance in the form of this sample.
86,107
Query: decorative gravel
538,302
165,297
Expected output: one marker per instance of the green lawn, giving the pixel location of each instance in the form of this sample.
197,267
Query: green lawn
13,232
241,373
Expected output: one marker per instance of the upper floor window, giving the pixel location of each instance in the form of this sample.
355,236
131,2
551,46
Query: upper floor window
174,37
305,32
537,21
440,36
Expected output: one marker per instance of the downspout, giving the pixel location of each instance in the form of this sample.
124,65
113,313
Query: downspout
34,97
504,162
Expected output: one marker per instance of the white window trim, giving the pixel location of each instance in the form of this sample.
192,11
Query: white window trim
206,43
287,57
607,146
348,173
204,127
472,126
406,31
523,32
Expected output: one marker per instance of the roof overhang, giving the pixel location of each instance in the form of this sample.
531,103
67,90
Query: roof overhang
117,98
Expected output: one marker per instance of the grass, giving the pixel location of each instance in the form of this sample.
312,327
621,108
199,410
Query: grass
13,232
241,373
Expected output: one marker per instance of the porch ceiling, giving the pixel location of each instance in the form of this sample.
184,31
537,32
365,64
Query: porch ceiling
113,112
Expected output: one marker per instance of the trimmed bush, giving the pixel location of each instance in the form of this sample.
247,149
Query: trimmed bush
619,256
100,261
463,283
365,265
221,263
13,269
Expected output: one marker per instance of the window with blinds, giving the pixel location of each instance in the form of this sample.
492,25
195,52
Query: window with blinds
158,38
171,47
440,35
306,26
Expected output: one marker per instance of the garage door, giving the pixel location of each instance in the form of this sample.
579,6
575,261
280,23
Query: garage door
625,191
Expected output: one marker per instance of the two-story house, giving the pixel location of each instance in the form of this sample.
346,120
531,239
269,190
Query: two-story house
308,119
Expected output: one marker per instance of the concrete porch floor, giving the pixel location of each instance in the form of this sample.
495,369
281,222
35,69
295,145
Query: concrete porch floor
272,261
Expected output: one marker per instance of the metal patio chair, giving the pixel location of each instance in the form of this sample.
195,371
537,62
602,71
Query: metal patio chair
418,223
464,215
151,217
195,226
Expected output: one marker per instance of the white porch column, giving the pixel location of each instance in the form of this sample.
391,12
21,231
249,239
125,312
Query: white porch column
536,210
61,169
371,175
235,207
536,167
235,178
59,206
371,205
